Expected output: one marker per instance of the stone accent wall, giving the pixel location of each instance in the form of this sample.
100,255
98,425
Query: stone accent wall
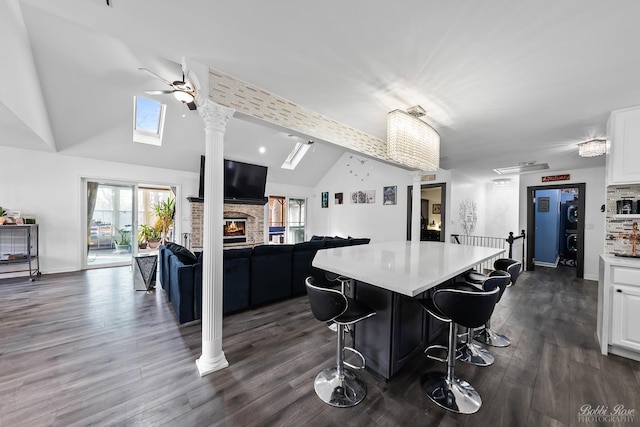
618,228
254,214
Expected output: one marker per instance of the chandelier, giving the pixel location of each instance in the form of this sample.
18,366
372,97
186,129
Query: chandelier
592,148
411,141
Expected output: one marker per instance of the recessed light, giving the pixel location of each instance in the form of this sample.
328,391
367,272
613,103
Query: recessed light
262,150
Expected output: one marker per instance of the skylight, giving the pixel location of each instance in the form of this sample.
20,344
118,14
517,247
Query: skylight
148,121
296,154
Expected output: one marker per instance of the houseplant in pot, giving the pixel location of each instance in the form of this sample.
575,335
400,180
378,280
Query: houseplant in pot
165,211
150,235
123,243
3,216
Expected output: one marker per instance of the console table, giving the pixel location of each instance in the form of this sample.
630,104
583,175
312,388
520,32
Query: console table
387,278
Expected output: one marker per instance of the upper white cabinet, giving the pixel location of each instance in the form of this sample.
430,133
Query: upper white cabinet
623,155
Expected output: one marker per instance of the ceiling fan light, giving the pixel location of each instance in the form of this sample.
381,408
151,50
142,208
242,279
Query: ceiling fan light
183,96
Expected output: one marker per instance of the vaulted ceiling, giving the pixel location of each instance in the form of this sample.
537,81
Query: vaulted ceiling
503,82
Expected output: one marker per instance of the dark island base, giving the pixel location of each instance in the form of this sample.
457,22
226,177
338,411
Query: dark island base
400,329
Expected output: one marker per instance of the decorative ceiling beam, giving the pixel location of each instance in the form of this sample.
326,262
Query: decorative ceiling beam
257,105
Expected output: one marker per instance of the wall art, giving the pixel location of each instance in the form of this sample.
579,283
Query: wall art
325,199
363,197
389,195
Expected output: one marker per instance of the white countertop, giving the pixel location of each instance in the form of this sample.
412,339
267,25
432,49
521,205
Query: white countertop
621,260
404,267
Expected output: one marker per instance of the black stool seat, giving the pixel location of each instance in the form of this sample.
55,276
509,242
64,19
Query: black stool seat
511,266
337,385
467,308
474,277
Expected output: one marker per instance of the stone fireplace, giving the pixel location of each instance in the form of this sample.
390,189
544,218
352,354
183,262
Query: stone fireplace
243,225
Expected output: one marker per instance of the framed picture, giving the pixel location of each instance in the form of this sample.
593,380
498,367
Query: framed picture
370,196
436,208
389,195
325,199
354,197
337,198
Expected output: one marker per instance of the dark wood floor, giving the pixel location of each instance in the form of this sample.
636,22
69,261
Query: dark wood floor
85,349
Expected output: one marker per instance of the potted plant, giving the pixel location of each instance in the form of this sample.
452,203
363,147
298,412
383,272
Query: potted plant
165,212
142,241
3,216
123,244
149,235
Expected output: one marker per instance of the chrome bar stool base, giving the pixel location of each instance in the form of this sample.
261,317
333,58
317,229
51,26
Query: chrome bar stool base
339,392
488,337
455,395
476,355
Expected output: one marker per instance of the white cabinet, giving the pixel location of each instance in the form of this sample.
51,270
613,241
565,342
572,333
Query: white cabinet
625,317
618,326
623,154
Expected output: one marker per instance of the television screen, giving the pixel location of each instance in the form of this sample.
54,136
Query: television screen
242,181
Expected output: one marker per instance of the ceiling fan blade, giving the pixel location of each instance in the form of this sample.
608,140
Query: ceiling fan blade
156,76
192,105
158,92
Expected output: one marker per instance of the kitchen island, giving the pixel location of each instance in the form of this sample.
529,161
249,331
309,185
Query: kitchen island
388,276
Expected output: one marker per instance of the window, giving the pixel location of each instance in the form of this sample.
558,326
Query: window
148,121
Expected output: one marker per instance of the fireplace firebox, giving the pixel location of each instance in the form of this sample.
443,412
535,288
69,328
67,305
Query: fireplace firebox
235,230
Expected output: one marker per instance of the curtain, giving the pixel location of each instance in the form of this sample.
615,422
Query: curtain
92,195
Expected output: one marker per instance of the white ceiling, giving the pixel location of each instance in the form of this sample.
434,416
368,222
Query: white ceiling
503,82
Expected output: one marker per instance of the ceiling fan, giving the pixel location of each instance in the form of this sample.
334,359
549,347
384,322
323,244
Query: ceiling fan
182,90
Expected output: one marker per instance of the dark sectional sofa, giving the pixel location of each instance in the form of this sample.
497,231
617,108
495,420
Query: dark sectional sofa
252,277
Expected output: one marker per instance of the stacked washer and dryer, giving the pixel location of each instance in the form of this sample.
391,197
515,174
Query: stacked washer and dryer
569,238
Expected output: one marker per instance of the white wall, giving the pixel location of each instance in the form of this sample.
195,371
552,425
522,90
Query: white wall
502,208
466,193
49,186
595,197
379,222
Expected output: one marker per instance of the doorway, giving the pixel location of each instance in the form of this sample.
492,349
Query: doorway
432,212
555,220
114,213
287,219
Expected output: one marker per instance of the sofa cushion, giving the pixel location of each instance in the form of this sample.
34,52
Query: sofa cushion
185,255
303,254
270,274
236,279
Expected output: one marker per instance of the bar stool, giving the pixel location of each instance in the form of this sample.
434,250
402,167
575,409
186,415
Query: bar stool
511,266
469,351
344,287
337,385
486,335
469,309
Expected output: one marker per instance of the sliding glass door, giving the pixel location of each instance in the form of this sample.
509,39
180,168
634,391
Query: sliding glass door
110,227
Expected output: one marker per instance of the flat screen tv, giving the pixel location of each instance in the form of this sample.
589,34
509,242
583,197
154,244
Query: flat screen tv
242,181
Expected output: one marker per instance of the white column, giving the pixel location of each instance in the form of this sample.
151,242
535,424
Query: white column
416,207
215,118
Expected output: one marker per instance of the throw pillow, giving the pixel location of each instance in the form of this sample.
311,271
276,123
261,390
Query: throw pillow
185,255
